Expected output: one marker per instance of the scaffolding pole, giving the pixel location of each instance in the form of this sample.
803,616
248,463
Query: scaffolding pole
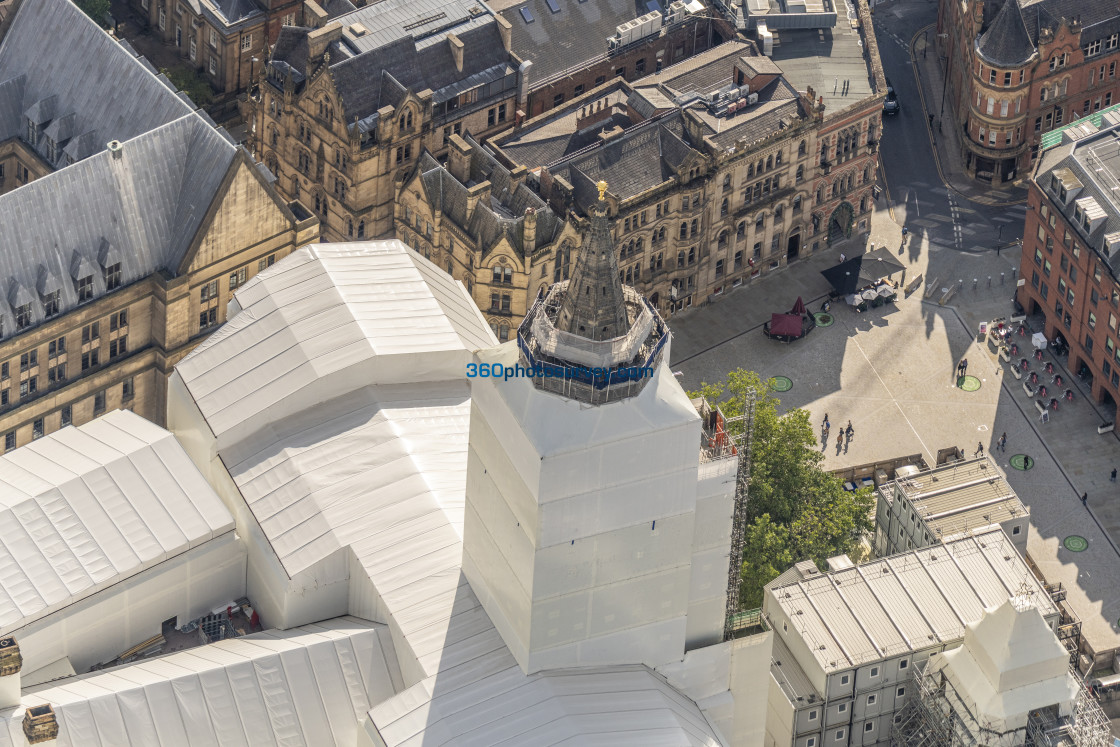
739,520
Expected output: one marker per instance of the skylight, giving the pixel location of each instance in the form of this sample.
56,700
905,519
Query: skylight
526,15
553,6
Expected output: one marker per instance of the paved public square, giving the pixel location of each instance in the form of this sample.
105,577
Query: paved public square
890,371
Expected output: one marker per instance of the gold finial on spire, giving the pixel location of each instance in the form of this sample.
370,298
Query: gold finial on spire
602,190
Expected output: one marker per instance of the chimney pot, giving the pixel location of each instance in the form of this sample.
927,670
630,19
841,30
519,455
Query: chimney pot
115,147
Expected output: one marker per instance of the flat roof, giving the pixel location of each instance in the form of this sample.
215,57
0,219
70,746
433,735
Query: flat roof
906,602
825,59
791,678
963,495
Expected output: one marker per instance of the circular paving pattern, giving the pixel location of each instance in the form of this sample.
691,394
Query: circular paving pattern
968,383
781,384
1076,543
1021,461
823,319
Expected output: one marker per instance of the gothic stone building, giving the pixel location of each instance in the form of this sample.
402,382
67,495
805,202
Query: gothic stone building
1019,68
347,109
117,259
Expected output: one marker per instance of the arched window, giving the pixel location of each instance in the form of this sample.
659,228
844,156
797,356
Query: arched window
503,332
641,244
741,229
361,229
695,227
801,148
722,242
680,259
449,267
750,170
684,230
692,255
726,182
350,228
778,158
723,207
497,275
274,135
295,187
778,212
769,162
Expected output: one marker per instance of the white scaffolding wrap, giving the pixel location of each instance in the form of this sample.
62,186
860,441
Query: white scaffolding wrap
307,686
84,508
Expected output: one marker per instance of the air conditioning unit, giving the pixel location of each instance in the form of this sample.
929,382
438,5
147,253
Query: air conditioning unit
752,98
613,43
745,89
677,12
734,94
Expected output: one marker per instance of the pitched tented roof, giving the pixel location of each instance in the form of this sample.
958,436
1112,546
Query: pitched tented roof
336,318
625,705
309,685
1006,43
57,52
84,508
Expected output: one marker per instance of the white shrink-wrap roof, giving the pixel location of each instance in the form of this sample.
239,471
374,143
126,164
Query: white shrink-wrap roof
331,319
306,686
84,508
578,707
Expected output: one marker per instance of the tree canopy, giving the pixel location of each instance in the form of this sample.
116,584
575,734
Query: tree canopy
98,10
795,509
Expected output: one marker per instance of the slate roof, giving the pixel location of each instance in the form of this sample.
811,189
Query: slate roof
394,56
504,215
226,14
1099,18
1006,43
643,157
1095,162
142,210
55,62
555,42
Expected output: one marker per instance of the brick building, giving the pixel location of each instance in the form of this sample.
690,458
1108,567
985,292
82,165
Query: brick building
226,39
1019,68
118,260
1071,251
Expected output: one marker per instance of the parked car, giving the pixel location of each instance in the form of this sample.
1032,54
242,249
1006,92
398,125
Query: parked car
891,105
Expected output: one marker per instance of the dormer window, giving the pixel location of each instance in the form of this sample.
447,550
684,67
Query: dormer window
32,133
85,288
113,276
51,303
23,316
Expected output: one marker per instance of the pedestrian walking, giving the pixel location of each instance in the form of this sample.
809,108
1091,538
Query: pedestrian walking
964,367
849,431
930,116
1112,478
1003,442
979,449
839,441
1084,498
843,257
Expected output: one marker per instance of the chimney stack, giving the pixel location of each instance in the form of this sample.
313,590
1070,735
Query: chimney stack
459,158
11,662
115,148
529,230
40,725
505,30
456,50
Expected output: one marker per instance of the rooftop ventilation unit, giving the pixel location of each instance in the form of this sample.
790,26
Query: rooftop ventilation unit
358,29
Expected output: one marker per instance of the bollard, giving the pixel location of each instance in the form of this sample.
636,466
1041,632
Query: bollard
989,281
1014,270
1001,278
975,282
960,283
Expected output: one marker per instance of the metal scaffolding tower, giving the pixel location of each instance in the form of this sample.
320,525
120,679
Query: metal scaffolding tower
732,619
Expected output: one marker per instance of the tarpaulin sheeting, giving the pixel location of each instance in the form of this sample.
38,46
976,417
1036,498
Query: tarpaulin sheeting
785,324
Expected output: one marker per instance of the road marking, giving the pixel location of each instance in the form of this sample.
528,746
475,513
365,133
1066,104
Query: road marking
1003,220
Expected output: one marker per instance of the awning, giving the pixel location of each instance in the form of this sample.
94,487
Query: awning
785,324
848,277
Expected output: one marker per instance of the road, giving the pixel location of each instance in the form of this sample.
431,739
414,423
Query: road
922,203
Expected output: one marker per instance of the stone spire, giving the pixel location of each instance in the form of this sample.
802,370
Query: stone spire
594,307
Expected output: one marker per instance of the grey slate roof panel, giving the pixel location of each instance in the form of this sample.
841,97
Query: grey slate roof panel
1006,43
147,205
60,51
555,42
392,20
1038,14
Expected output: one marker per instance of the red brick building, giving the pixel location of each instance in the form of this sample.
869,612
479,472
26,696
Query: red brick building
1071,253
1019,68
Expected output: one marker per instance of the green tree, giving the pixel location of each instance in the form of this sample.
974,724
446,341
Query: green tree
192,82
795,509
95,9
